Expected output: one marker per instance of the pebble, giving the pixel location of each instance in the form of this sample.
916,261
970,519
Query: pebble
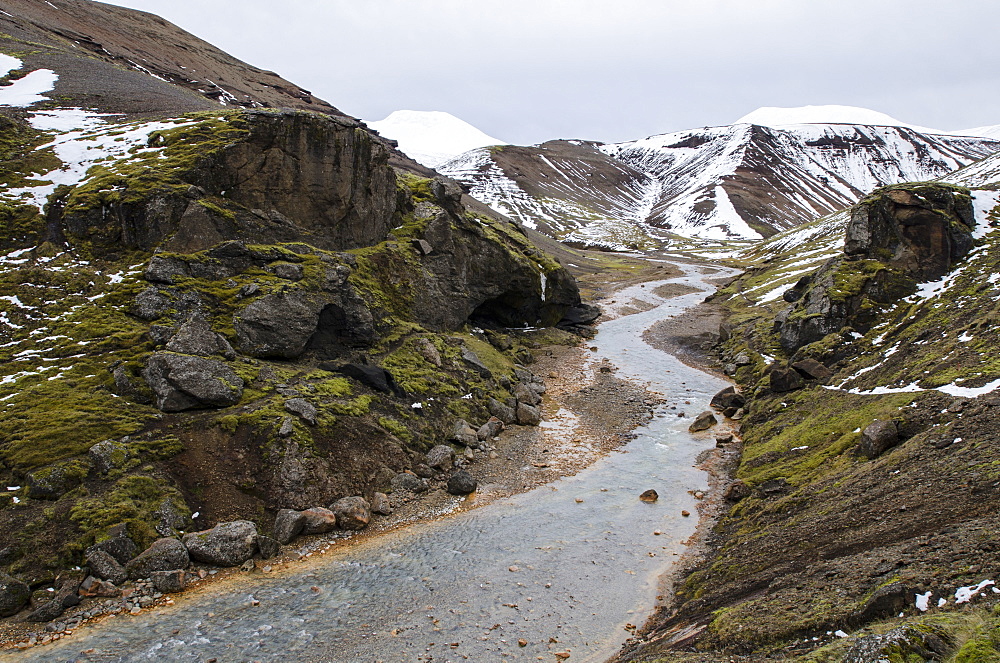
685,513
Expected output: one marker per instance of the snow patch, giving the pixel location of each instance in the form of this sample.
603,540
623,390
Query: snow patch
28,90
774,116
432,137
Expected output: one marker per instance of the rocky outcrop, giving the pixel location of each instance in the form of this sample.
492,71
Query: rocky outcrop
226,544
184,382
165,554
897,237
14,594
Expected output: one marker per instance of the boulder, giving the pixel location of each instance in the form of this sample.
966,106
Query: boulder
422,246
461,483
14,595
195,337
353,513
490,429
150,304
464,434
525,394
409,482
381,505
104,566
277,325
441,457
737,491
288,524
703,421
184,382
164,554
92,586
742,359
811,368
287,270
49,483
267,547
107,455
423,471
877,437
169,582
226,544
303,409
66,596
375,377
428,351
165,270
318,521
502,412
473,361
118,545
728,398
886,601
528,415
784,379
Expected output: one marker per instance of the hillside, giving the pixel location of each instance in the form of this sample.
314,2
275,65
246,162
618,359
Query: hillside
743,181
860,522
212,310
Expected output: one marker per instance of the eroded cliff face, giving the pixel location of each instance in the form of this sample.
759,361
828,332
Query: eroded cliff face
249,311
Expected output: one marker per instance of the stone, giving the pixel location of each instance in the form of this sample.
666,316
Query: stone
14,595
528,415
742,359
118,545
318,520
107,455
877,437
104,566
226,544
492,428
277,325
352,513
166,554
811,368
905,643
92,586
649,495
49,483
169,582
288,524
703,421
267,547
409,482
165,270
464,434
773,487
428,351
422,246
66,596
887,601
381,505
286,270
461,483
440,457
195,337
150,304
581,314
525,394
423,471
473,361
184,382
784,379
724,439
728,398
303,409
287,427
502,412
46,612
737,491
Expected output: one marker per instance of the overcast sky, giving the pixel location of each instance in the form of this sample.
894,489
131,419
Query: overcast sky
525,71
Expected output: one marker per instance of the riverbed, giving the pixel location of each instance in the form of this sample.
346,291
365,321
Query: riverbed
570,567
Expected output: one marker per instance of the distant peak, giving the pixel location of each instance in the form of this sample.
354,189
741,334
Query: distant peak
432,137
773,116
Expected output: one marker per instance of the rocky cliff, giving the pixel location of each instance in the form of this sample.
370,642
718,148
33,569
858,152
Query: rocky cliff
860,522
212,316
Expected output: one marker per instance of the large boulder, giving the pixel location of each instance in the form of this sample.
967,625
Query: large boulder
104,566
440,457
728,398
288,524
278,325
528,415
226,544
461,483
352,513
318,520
464,434
118,545
14,595
164,554
783,379
195,337
107,455
877,437
703,421
184,382
375,377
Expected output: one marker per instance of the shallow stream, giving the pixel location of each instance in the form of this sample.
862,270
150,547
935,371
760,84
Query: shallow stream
566,567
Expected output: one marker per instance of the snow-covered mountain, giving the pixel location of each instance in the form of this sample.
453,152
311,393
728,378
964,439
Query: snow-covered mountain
432,137
742,181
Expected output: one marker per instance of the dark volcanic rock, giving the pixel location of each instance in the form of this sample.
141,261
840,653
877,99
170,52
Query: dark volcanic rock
105,566
318,521
440,457
169,582
288,524
51,482
461,483
107,455
784,379
163,555
703,421
811,368
409,482
195,337
278,325
184,382
375,377
267,547
528,415
118,545
728,398
226,544
381,504
464,434
14,594
887,601
877,437
502,412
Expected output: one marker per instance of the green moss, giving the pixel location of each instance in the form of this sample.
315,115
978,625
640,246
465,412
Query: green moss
217,209
397,428
420,188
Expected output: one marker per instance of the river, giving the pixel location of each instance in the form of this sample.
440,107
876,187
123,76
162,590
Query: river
564,568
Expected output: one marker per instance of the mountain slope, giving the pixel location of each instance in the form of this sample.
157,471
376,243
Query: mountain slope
432,137
742,181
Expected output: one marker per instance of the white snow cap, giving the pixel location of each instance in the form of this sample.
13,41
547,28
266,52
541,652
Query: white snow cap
773,116
432,137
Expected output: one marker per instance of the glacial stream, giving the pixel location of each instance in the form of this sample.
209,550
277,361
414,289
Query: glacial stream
564,568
